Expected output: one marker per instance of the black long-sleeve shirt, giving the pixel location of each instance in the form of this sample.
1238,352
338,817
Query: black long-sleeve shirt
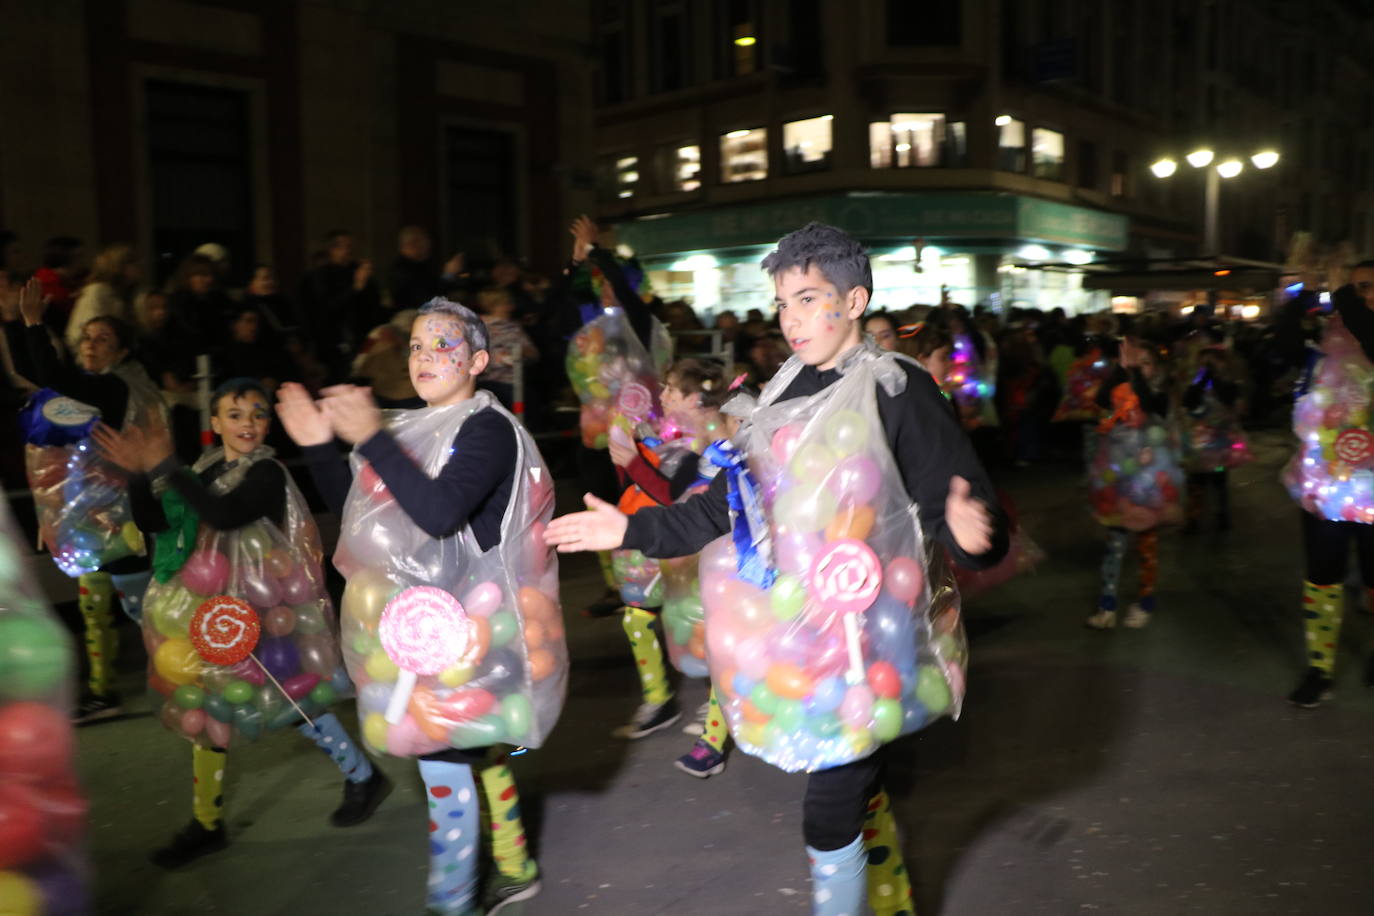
927,445
104,391
473,487
261,494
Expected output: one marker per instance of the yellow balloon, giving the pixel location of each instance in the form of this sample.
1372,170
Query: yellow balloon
381,668
176,660
171,610
366,595
19,896
599,390
751,733
132,536
374,731
458,676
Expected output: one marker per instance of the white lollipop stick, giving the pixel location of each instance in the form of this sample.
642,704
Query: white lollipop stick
278,685
855,674
400,697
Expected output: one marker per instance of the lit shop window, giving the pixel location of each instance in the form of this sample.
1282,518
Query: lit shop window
921,140
744,155
687,168
626,176
1047,154
1011,144
806,144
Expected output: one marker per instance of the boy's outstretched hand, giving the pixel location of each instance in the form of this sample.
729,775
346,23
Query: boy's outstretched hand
968,518
301,416
601,527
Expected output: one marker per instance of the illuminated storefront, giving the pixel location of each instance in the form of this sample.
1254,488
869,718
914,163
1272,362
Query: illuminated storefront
973,247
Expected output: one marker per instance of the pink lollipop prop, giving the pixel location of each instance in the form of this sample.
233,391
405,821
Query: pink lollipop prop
846,578
225,631
423,630
635,401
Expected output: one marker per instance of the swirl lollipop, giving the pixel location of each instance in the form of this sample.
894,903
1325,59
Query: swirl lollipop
424,630
635,401
224,631
846,578
1355,447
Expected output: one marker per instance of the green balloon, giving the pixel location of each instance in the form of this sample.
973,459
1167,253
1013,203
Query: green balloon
189,696
519,716
324,694
787,596
789,716
887,719
503,627
365,643
248,722
33,656
238,692
283,717
765,699
489,729
219,709
824,726
310,619
932,690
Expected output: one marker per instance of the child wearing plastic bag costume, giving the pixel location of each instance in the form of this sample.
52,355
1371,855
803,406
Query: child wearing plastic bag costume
885,422
236,526
451,619
1331,475
82,502
1213,441
43,871
1134,480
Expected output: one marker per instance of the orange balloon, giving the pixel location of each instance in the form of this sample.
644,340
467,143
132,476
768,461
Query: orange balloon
541,664
428,714
534,604
850,522
753,714
697,646
725,684
788,680
161,684
481,642
535,635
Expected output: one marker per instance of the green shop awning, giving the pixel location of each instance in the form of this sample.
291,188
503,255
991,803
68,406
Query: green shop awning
878,218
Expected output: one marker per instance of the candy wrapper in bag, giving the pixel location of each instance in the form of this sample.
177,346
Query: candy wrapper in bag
210,658
826,639
1331,474
1134,479
1212,437
451,647
82,500
1085,375
43,869
615,378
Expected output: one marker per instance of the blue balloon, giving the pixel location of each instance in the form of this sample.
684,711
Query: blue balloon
744,685
826,696
280,656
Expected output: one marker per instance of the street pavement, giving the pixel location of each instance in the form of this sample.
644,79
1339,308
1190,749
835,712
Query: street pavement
1155,771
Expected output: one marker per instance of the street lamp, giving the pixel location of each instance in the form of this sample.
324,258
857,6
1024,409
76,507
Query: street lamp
1164,168
1230,167
1265,159
1199,157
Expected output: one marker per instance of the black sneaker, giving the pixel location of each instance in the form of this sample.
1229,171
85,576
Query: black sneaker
192,842
608,605
501,891
93,708
649,718
360,799
702,761
1314,688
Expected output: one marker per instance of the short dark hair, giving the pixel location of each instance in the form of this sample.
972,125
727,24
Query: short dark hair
835,253
124,332
236,388
705,377
1366,264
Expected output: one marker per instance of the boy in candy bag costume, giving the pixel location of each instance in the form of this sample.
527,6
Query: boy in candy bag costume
1213,441
1134,479
82,502
850,460
1331,476
241,636
42,809
452,627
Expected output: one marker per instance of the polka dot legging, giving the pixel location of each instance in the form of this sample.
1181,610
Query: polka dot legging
454,834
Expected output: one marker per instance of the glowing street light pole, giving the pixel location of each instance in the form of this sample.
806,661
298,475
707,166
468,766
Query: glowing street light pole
1228,168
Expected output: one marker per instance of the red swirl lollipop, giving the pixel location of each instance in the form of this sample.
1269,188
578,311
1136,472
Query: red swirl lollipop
423,630
224,630
1355,447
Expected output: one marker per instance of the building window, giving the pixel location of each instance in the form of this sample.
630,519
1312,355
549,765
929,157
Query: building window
672,57
928,24
687,168
626,176
1087,165
1121,164
921,140
1047,154
612,37
737,37
806,145
1011,144
744,155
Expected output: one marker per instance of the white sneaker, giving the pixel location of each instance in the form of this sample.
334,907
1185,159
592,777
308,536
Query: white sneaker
1102,620
698,724
1137,618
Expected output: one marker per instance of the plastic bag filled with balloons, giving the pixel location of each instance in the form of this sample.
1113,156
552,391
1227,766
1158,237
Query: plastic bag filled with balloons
1135,478
847,647
1212,438
971,384
82,500
228,671
42,808
615,378
639,578
683,617
1085,375
1332,473
451,647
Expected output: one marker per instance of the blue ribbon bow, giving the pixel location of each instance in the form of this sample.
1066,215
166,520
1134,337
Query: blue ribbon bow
753,542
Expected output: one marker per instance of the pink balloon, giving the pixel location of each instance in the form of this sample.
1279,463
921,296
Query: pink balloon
299,587
795,551
858,479
405,739
298,686
856,709
248,670
260,589
905,579
483,600
715,592
206,571
785,442
279,621
193,721
218,732
752,657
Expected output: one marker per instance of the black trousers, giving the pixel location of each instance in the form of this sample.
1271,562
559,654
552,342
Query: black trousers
837,799
1327,545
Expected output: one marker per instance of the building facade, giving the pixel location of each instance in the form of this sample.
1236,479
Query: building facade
986,150
264,124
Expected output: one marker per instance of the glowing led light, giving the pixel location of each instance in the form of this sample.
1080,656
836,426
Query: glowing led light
1164,168
1200,157
1230,168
